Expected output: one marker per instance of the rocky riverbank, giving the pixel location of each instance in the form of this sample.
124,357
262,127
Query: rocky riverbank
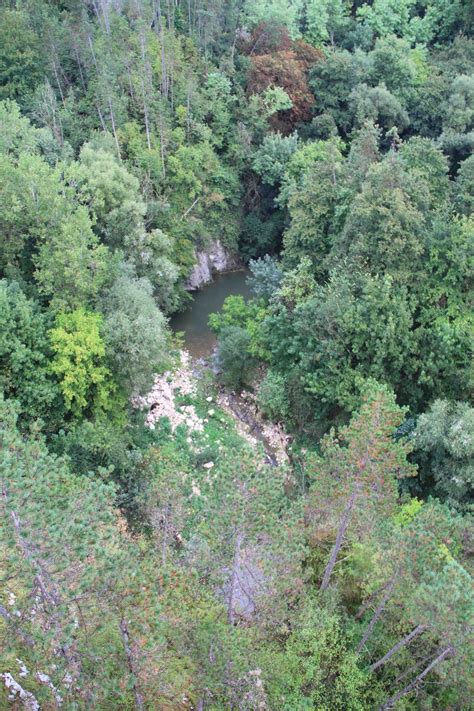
215,259
169,389
252,427
162,400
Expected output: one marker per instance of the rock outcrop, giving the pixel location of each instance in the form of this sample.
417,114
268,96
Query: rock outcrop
161,400
215,259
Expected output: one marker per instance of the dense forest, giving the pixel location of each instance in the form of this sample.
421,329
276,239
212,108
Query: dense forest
157,559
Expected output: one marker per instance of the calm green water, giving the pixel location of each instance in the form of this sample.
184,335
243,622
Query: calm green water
198,338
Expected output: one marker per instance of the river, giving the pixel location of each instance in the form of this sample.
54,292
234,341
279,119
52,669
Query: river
199,341
198,337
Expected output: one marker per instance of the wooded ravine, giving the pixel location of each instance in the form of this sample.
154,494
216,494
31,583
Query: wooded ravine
273,510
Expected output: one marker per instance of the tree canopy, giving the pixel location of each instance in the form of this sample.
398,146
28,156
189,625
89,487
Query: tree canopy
283,522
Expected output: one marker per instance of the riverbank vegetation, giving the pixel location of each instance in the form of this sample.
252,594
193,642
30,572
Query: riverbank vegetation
152,556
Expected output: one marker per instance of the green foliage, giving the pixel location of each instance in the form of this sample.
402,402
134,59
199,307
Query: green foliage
17,135
116,451
444,440
378,105
112,195
248,315
312,201
397,66
464,187
314,650
272,397
202,195
21,61
54,598
273,156
72,267
273,12
326,19
274,100
355,327
32,205
134,332
236,311
384,228
79,361
388,17
260,235
457,138
234,356
298,284
424,160
408,511
333,80
24,355
362,460
306,159
218,102
266,277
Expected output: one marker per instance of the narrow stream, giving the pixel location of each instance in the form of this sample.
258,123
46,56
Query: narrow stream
198,337
199,341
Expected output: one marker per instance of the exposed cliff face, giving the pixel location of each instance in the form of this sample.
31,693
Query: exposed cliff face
215,259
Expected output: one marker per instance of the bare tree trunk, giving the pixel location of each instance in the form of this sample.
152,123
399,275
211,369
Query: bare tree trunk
346,516
171,81
112,119
49,114
145,116
186,213
96,10
79,65
146,71
232,51
377,613
170,10
402,643
56,76
129,77
159,31
139,702
105,14
91,47
162,141
414,667
101,118
109,101
233,579
349,507
28,701
445,654
188,110
50,596
362,609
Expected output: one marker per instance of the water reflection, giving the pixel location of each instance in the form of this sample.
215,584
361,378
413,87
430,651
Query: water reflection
198,338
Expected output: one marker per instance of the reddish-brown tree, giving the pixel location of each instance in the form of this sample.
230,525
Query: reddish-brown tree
277,61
